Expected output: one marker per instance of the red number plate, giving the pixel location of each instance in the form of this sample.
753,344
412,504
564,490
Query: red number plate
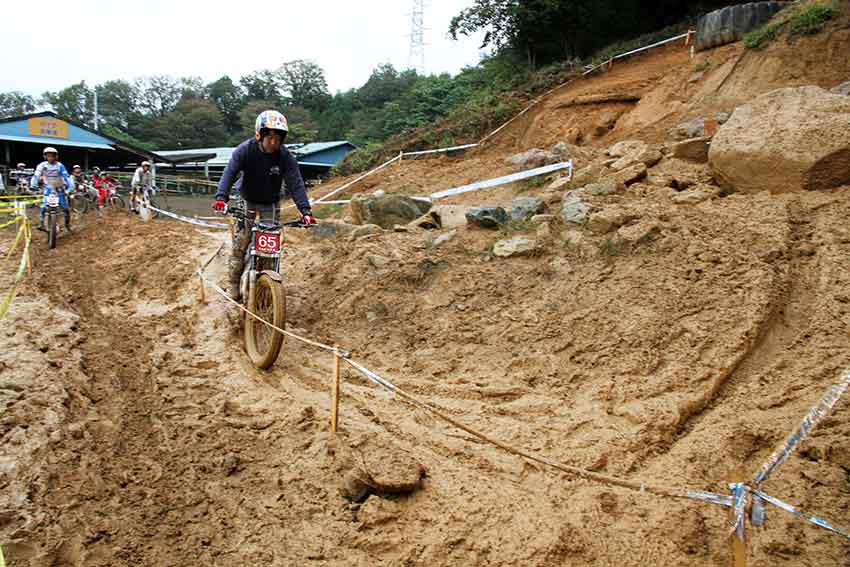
268,243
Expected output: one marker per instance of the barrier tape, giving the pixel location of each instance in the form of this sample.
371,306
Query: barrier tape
440,150
190,220
352,182
4,308
505,179
14,220
808,518
638,50
812,419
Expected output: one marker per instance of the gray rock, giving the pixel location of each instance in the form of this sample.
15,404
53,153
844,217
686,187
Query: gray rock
386,211
730,24
574,210
694,149
842,89
486,216
523,208
517,246
532,158
331,229
606,187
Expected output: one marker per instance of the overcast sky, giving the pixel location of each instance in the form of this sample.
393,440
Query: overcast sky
98,40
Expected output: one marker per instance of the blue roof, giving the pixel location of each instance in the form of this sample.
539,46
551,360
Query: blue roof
20,129
334,152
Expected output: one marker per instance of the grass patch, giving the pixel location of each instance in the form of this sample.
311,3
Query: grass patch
327,211
808,21
610,248
811,20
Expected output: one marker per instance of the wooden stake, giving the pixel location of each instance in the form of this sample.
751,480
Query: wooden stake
335,394
738,546
203,296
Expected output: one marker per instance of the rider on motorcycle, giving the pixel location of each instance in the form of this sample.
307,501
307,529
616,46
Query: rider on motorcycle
21,178
77,175
141,184
265,164
52,176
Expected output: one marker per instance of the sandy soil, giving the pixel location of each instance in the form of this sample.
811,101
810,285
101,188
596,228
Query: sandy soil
135,432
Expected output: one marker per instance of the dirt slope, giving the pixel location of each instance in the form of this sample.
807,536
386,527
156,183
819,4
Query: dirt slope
135,432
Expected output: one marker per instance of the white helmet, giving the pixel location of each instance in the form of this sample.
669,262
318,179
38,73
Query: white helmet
146,163
271,120
22,165
50,150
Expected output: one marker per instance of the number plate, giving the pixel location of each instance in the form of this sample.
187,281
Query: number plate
53,200
268,242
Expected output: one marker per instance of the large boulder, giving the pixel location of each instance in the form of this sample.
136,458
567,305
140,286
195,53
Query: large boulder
842,89
730,24
387,211
785,140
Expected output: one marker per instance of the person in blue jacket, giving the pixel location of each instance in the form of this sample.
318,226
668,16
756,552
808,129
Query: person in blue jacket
265,164
52,176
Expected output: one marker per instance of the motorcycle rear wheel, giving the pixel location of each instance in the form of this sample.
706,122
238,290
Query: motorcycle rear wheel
267,301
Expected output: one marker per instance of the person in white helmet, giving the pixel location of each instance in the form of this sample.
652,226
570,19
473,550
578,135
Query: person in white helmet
52,176
21,179
265,164
140,185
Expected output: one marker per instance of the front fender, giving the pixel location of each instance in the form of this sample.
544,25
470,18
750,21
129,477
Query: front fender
273,275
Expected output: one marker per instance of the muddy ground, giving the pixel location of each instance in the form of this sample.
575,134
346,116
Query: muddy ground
135,432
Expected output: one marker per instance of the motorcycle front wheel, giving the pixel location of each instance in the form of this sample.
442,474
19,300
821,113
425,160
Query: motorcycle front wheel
268,302
52,229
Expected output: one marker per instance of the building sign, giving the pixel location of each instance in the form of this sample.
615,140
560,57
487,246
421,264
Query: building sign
48,127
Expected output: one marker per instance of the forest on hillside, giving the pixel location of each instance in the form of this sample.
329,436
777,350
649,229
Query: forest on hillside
532,44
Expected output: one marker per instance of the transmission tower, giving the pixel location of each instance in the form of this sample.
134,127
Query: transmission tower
417,37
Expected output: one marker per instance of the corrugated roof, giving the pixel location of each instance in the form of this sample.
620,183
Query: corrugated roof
222,155
315,147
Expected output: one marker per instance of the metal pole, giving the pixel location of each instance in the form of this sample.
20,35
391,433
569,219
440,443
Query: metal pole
335,394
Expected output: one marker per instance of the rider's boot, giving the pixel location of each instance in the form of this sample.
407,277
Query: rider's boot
41,226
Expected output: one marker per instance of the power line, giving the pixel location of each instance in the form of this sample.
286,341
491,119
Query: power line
416,58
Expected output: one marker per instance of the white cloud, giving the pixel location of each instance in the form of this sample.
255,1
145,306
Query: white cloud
99,40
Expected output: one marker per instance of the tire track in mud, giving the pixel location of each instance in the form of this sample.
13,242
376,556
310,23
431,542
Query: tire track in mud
788,317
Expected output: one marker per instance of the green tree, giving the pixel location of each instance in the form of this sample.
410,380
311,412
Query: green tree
116,103
229,99
304,84
75,102
15,103
194,123
159,95
262,85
